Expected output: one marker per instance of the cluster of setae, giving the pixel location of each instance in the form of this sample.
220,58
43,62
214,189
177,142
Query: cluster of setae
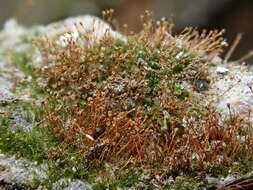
133,98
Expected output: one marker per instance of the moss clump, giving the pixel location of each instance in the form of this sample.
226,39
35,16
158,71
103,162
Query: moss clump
124,102
109,98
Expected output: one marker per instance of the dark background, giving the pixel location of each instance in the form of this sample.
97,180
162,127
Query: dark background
236,16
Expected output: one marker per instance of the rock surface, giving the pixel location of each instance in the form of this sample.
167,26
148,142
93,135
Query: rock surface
21,170
231,89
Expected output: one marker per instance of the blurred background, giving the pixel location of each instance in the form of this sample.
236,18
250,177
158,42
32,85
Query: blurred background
234,15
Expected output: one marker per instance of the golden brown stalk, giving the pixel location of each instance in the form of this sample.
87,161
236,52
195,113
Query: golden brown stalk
233,47
246,57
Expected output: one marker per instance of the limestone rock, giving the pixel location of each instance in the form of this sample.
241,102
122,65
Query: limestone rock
232,90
